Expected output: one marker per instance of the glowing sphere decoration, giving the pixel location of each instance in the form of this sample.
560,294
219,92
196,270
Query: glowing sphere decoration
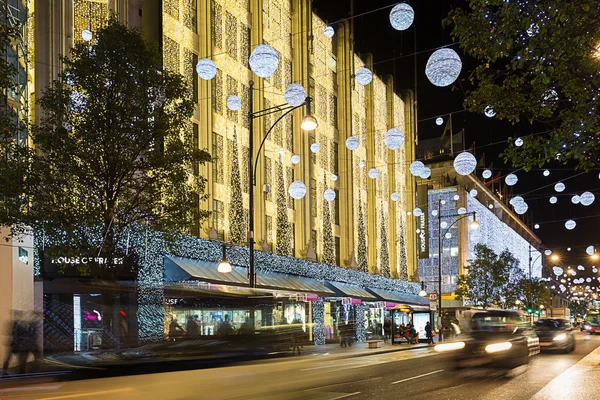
519,142
393,139
234,103
402,16
434,213
443,67
206,69
425,174
465,163
329,31
444,225
439,121
448,235
363,76
581,268
281,152
329,195
557,271
294,94
570,224
588,280
547,252
521,208
553,200
395,196
295,159
361,164
575,199
559,187
417,212
416,168
491,206
462,211
352,143
473,193
516,200
334,177
456,197
590,250
536,226
587,198
487,174
264,60
546,172
373,173
418,231
315,147
297,190
511,179
86,35
489,112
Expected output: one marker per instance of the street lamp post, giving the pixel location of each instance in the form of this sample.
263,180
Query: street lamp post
474,225
309,123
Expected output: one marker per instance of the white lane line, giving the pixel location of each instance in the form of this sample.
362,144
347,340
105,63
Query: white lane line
345,395
418,376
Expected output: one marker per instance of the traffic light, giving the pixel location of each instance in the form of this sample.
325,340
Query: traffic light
537,312
530,310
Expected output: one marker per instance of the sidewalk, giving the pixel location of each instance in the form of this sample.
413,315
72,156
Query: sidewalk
580,381
335,351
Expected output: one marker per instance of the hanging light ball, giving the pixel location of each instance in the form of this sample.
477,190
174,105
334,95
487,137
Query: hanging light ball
234,103
559,187
516,200
294,94
536,226
315,147
361,164
568,249
448,235
395,196
416,168
570,224
439,121
373,173
587,198
443,67
547,252
417,212
511,179
329,195
363,76
519,142
546,173
297,190
393,139
402,16
456,197
329,31
575,199
443,202
418,231
590,250
491,206
334,177
473,193
295,159
425,174
444,224
434,213
86,35
558,271
581,268
264,60
521,208
465,163
487,174
206,69
489,112
462,211
352,143
553,200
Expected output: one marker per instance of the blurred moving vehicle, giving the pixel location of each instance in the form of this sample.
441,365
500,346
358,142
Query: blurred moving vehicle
555,334
492,338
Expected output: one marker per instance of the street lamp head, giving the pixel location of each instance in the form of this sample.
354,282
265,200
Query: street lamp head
224,266
309,123
555,257
422,293
595,256
474,225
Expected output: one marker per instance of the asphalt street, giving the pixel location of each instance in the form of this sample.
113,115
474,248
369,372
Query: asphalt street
414,374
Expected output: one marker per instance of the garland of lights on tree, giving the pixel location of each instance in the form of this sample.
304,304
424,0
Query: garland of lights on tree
284,234
384,256
237,233
361,257
328,241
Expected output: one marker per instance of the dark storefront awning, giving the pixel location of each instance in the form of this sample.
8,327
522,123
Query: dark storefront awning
399,297
182,269
352,291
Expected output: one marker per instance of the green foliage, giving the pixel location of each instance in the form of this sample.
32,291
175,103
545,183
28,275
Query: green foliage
578,308
114,148
538,62
384,254
533,293
328,241
488,280
362,256
284,232
237,220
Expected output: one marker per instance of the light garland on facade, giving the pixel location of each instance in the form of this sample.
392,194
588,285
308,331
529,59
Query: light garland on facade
318,319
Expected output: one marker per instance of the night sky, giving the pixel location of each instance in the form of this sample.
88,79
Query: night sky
393,53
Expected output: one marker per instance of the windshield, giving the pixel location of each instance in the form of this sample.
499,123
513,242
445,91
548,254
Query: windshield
549,324
495,322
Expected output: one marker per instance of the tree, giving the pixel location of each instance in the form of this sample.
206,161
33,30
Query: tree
384,255
488,277
537,61
113,149
237,220
328,241
402,257
361,259
284,233
578,308
533,293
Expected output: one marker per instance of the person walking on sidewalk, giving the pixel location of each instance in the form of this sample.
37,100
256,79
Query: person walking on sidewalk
387,330
429,332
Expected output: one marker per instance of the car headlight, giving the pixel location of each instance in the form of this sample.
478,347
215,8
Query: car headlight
496,347
560,337
587,327
449,346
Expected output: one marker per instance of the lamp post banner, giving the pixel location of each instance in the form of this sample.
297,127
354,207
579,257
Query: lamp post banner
422,222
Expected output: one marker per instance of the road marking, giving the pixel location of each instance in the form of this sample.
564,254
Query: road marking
345,395
418,376
87,394
30,388
344,383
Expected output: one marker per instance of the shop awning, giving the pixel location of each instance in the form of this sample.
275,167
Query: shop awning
399,297
183,269
354,291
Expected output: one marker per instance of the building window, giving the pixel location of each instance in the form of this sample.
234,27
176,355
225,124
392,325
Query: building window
217,153
290,179
268,179
195,141
191,15
269,233
337,251
336,208
216,24
313,197
335,154
231,35
217,92
219,219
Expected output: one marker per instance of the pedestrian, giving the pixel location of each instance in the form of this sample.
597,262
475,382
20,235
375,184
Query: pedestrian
387,329
192,328
225,329
175,330
429,332
23,340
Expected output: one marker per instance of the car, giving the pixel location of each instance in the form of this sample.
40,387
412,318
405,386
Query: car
591,327
555,334
492,338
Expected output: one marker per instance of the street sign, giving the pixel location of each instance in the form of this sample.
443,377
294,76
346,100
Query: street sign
433,306
433,296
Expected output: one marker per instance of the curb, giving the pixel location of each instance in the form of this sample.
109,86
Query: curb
367,353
